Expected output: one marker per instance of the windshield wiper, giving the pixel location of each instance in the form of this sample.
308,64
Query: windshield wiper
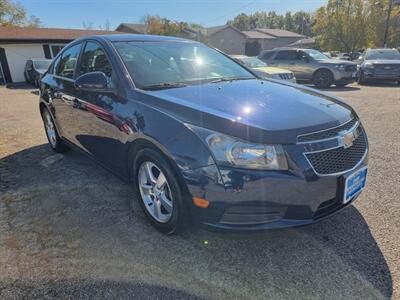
165,85
223,79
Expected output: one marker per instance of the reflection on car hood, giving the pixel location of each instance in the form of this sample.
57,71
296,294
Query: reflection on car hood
234,107
336,61
272,70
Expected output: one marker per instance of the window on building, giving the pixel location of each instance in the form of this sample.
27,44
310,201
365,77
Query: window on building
55,49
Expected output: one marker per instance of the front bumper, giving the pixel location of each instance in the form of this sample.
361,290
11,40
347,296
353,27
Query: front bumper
381,76
344,77
253,200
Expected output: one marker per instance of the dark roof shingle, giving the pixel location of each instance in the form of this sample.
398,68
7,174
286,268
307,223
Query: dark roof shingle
258,35
280,33
42,34
133,28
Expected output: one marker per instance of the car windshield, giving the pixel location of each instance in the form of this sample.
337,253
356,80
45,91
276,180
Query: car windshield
41,64
174,64
383,54
316,54
252,62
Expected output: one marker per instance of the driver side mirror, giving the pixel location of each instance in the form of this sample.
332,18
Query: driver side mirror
92,82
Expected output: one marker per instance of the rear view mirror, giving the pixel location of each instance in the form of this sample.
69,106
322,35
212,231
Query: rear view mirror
92,82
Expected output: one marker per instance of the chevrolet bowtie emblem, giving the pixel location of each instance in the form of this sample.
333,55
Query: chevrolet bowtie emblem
346,138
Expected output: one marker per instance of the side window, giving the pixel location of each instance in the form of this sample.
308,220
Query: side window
94,59
268,55
300,55
65,67
286,55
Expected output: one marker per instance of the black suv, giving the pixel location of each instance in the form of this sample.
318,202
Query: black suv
379,65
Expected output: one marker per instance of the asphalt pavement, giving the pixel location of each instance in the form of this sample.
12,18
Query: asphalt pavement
66,230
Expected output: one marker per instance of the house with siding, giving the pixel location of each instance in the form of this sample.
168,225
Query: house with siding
231,40
18,44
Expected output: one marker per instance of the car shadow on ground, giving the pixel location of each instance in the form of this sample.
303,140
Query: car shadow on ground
70,197
20,86
89,289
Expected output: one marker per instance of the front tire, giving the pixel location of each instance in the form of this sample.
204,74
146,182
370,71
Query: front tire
323,79
158,191
341,85
53,137
361,78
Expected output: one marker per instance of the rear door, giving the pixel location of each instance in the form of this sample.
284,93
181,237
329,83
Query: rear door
62,91
285,59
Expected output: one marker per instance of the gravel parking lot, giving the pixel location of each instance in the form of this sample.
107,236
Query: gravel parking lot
66,232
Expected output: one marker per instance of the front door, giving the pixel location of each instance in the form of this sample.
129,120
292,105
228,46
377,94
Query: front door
98,130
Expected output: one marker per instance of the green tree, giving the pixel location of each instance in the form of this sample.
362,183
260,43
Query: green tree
241,22
376,24
341,25
13,14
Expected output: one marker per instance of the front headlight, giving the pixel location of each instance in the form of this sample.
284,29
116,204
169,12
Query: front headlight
233,152
368,65
340,67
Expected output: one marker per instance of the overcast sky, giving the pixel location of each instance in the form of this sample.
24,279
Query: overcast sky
73,13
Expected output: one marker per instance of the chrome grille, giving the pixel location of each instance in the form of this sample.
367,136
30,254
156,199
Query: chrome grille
326,134
340,159
387,67
286,76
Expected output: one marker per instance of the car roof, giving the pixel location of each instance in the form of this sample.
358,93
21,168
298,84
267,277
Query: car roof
381,49
239,56
135,38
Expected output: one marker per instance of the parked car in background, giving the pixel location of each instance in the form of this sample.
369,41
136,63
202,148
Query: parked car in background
379,65
263,70
312,66
343,56
199,137
34,69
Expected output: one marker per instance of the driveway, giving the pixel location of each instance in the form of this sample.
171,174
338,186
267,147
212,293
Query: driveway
66,231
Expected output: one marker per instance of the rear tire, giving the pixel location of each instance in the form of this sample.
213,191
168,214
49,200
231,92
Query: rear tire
53,137
323,79
167,201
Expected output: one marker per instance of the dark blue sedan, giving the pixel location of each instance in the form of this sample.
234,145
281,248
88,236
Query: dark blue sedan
202,138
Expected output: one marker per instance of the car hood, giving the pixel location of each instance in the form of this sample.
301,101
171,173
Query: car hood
384,61
272,70
336,61
255,110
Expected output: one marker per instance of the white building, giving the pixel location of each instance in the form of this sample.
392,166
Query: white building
17,45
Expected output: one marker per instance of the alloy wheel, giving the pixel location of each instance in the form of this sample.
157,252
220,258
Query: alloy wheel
155,192
50,129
